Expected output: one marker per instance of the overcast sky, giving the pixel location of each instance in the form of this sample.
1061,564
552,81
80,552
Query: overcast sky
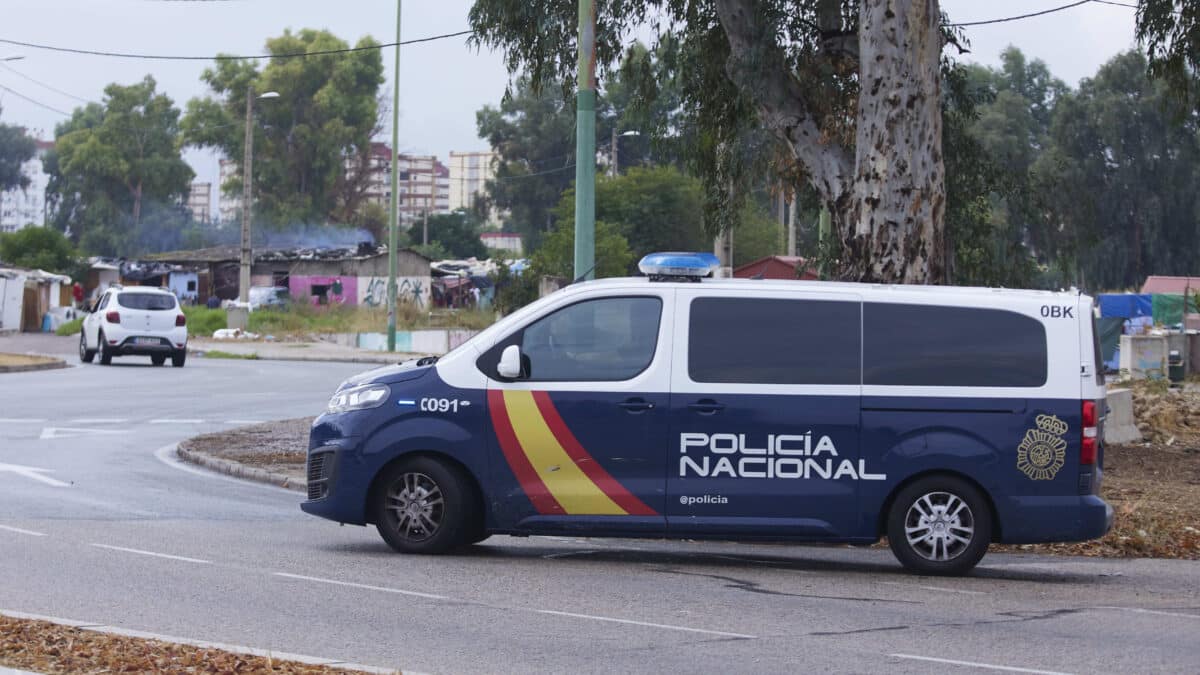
443,83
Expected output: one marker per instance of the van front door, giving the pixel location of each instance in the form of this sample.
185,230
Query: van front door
765,394
580,436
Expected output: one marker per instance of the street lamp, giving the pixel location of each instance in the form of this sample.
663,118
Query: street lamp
247,177
612,169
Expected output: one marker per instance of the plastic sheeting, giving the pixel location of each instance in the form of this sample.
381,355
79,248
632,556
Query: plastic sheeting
1110,328
1168,309
1126,305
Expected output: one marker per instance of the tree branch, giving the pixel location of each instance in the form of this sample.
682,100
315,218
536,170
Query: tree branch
755,57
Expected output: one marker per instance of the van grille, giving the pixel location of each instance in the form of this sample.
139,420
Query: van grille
319,465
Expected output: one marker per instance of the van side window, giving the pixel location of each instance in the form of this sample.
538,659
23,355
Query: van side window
937,346
602,340
770,341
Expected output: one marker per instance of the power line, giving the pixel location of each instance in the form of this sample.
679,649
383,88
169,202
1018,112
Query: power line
1115,4
34,101
1019,17
23,76
226,57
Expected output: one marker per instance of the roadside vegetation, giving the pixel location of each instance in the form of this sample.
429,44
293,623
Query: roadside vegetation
299,320
46,647
71,327
218,354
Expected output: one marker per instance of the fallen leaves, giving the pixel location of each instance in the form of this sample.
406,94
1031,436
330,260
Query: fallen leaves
47,647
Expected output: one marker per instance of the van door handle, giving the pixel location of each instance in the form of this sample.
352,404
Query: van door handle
707,406
636,405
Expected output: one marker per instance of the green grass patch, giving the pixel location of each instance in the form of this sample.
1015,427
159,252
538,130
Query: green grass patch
218,354
70,328
202,321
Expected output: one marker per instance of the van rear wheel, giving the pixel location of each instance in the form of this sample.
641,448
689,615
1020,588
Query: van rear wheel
940,526
424,506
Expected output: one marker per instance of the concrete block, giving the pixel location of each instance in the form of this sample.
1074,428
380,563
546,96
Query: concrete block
1120,426
237,317
1143,357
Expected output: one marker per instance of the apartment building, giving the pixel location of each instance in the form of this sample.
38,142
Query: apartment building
23,207
199,201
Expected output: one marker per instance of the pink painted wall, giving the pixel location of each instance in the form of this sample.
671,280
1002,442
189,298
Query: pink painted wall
300,288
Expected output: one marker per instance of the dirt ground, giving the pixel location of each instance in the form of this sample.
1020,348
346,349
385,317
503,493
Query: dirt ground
17,360
50,648
1153,487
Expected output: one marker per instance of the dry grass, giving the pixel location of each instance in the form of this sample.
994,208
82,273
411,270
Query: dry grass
23,359
50,648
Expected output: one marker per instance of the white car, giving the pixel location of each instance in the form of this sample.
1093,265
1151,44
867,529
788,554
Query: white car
140,321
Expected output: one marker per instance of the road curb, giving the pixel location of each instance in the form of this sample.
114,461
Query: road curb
54,364
238,470
259,356
199,644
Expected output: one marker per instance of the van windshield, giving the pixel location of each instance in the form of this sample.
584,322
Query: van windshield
149,301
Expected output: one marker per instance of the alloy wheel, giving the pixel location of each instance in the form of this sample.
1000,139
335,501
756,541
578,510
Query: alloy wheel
939,526
416,504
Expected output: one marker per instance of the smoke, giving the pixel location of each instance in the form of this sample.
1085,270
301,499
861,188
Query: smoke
315,236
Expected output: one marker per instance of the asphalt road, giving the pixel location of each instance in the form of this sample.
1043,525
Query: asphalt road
104,528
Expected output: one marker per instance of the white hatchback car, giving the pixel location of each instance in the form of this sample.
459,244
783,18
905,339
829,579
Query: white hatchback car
139,320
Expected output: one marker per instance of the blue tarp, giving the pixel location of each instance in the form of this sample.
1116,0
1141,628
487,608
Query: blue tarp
1126,305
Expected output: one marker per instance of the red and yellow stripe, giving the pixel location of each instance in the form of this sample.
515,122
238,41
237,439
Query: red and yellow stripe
555,471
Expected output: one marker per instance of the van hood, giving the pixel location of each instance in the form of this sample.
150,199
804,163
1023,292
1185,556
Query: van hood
401,372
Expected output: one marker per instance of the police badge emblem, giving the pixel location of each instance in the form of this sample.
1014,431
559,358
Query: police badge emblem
1043,451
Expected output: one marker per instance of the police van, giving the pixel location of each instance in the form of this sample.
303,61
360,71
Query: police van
682,406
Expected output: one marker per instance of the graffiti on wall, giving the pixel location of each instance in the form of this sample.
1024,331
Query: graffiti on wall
413,290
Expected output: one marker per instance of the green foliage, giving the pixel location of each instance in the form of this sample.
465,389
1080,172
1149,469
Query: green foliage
513,291
1170,32
756,236
653,208
39,248
457,233
71,327
202,321
218,354
556,257
433,250
16,148
116,169
324,118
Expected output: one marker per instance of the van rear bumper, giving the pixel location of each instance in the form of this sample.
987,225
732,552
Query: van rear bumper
1035,520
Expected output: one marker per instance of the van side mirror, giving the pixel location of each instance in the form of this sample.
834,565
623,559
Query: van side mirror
510,363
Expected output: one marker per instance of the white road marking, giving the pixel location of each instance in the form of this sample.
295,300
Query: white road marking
153,554
99,420
1157,612
34,473
940,589
168,421
973,664
20,531
382,589
71,432
202,644
23,420
631,622
165,455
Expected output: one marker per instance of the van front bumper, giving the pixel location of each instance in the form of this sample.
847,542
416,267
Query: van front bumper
337,483
1036,520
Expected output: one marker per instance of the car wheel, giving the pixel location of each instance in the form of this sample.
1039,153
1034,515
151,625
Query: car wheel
85,355
423,506
939,525
178,358
158,359
105,352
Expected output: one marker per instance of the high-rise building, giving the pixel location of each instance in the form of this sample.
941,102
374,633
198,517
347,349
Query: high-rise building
423,183
229,206
469,173
19,207
199,201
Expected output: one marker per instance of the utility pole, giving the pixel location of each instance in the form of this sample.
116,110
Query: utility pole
824,230
247,176
585,145
791,230
394,211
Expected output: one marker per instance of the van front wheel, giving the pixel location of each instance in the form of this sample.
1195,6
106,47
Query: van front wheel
939,525
423,506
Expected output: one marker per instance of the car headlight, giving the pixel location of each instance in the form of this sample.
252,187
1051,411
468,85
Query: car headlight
359,398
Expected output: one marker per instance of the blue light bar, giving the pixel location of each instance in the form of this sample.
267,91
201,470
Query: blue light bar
692,265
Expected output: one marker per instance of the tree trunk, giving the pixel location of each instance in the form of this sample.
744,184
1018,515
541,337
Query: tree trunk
888,203
893,223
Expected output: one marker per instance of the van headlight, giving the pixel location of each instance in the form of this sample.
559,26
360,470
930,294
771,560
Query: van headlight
359,398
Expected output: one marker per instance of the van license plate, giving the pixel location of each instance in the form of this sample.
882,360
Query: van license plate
146,341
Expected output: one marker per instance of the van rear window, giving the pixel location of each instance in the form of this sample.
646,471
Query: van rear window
935,346
150,301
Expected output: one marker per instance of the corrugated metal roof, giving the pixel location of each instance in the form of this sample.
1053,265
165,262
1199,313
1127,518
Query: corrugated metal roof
1175,285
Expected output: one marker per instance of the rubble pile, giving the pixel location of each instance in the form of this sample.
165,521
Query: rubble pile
1167,416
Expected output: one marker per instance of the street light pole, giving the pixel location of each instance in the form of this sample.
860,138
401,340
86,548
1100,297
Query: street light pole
613,170
394,202
585,145
247,178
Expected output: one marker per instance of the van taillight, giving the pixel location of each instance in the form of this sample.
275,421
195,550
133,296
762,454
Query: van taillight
180,320
113,317
1087,448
